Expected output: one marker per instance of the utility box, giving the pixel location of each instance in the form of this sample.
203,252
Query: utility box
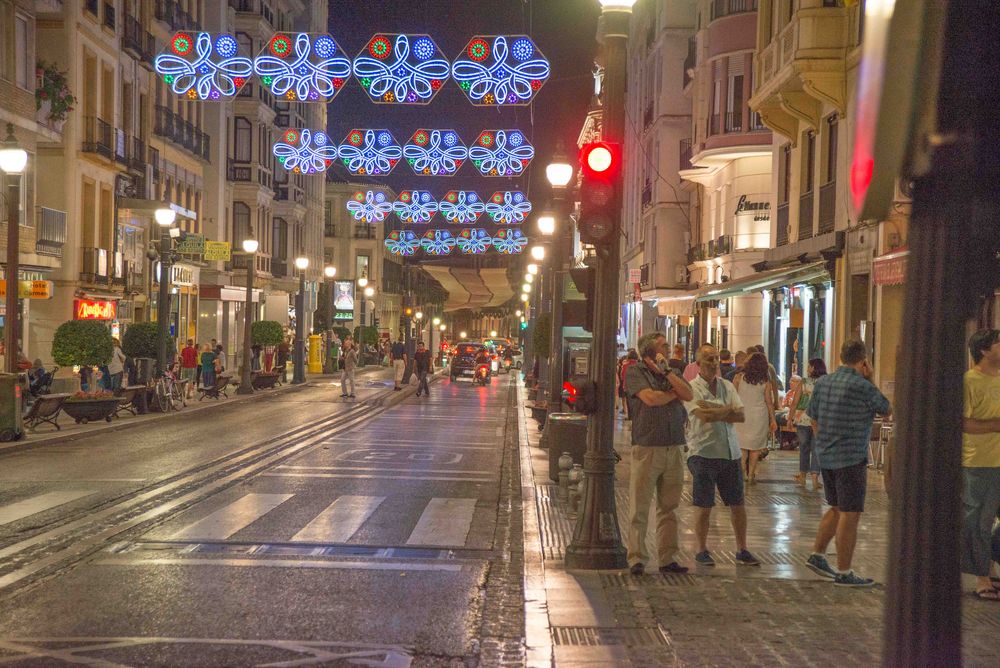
565,432
11,425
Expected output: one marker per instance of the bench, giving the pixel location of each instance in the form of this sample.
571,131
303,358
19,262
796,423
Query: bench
45,409
128,399
221,382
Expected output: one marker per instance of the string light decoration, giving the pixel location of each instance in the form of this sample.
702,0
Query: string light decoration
510,241
508,207
402,242
370,152
435,152
496,70
304,151
199,66
415,207
303,67
370,206
438,242
462,207
473,241
501,153
401,69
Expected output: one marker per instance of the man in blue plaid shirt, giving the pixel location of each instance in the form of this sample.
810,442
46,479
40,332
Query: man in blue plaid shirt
842,408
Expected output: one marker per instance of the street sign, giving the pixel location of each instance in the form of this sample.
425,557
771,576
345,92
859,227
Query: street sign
192,244
218,250
29,289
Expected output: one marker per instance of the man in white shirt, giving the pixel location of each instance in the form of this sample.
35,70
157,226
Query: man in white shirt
714,461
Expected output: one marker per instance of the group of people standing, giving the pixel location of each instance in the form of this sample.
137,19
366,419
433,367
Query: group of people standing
201,365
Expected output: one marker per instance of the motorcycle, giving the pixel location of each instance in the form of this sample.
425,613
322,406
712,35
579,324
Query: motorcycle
506,364
482,376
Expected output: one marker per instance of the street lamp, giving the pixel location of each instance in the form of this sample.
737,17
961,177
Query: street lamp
165,217
532,268
524,296
517,313
250,246
462,335
529,278
559,173
299,373
329,272
538,253
363,281
13,160
547,225
493,334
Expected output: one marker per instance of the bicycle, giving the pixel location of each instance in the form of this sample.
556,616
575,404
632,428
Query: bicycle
168,392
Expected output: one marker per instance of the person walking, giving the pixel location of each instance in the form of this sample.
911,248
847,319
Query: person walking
655,393
350,355
727,367
334,351
207,366
771,372
843,406
798,402
424,365
624,365
981,461
189,367
715,455
755,392
282,359
740,361
398,355
220,360
116,366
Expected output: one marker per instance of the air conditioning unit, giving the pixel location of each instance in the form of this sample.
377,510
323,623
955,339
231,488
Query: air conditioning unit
904,190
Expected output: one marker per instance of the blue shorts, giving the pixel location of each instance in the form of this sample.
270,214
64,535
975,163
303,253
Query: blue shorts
726,475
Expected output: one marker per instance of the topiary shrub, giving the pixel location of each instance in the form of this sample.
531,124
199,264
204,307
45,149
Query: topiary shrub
82,343
267,333
341,332
371,336
540,335
142,340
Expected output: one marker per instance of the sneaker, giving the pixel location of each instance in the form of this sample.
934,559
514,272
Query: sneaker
351,396
704,558
745,558
850,579
638,568
673,567
418,394
344,395
819,565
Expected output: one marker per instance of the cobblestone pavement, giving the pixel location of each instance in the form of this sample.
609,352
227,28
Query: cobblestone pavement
776,615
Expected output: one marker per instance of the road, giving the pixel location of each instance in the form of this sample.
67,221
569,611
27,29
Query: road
296,530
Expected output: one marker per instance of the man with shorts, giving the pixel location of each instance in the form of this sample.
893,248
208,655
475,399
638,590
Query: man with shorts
398,355
843,406
715,454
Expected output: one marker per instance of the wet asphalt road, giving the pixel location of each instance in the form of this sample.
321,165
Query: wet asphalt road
368,535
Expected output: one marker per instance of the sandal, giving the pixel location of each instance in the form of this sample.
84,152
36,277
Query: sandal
989,594
800,479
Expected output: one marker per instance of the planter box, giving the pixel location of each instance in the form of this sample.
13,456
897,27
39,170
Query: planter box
91,410
263,381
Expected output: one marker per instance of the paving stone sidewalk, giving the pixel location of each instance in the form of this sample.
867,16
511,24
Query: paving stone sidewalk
778,614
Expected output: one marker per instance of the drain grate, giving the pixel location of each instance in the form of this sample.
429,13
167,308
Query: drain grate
620,580
599,635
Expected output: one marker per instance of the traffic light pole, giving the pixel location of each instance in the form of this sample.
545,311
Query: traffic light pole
597,541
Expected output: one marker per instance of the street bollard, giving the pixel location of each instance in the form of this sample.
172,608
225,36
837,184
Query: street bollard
575,476
565,464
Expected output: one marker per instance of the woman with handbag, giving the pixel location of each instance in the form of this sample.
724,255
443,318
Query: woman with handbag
799,402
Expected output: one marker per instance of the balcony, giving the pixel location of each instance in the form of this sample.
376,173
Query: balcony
782,232
330,230
364,231
723,245
121,147
721,8
242,172
827,207
647,195
756,122
137,41
685,155
97,137
262,94
171,13
285,192
50,237
279,268
170,125
806,215
109,15
253,7
154,161
734,121
137,156
95,265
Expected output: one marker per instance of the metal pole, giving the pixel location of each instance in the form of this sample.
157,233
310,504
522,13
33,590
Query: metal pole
11,324
361,327
328,334
163,301
299,373
597,541
246,387
559,253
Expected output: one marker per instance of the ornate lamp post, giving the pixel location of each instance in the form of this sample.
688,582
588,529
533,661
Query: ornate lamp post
165,217
419,317
250,246
559,173
299,373
362,284
13,160
329,272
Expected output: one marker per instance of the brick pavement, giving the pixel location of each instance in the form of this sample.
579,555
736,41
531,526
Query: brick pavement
777,614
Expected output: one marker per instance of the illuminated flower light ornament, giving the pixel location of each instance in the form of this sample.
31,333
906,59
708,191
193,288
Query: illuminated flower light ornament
435,152
303,67
200,67
437,242
369,206
402,242
508,208
510,241
401,69
474,241
304,151
497,70
372,152
415,207
501,153
462,207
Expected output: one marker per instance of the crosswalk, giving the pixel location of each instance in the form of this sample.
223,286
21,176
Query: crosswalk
443,522
39,503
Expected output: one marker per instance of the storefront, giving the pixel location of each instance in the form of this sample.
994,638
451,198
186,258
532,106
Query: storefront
184,296
221,314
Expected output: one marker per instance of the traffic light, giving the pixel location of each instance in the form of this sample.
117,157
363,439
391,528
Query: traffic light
408,312
600,192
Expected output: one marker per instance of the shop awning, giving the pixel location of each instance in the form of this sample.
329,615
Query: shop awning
772,278
890,269
674,302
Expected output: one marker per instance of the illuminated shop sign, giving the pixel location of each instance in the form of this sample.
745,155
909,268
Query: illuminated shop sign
92,309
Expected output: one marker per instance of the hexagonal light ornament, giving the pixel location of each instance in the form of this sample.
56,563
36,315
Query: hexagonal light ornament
415,207
461,207
401,69
501,152
473,241
508,207
402,242
369,206
304,151
435,152
370,152
437,242
201,65
510,241
304,67
499,70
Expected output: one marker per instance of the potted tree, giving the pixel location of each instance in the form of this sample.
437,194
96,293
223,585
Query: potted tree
370,339
141,342
85,343
267,334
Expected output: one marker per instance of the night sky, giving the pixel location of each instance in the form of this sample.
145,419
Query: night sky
564,30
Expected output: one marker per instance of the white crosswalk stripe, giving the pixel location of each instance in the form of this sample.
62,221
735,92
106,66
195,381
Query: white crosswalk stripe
445,522
230,519
36,504
340,520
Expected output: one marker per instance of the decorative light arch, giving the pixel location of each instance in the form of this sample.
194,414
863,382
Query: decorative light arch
462,207
370,152
370,206
497,70
401,69
438,242
200,67
435,152
509,207
304,67
402,242
304,151
473,241
415,207
510,241
501,153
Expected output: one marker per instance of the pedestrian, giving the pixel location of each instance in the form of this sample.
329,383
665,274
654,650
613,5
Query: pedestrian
739,362
798,402
771,372
981,462
624,365
423,365
676,360
714,461
116,366
656,392
726,364
398,355
756,393
208,366
350,357
334,351
220,360
282,359
86,374
189,367
843,407
255,350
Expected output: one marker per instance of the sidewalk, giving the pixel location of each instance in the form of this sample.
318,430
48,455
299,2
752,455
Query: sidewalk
777,614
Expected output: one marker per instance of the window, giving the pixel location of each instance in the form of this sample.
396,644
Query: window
361,267
24,63
808,162
713,127
241,222
279,247
785,175
734,99
243,140
831,149
21,183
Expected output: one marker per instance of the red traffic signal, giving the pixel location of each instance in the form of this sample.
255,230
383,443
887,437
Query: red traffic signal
600,159
600,192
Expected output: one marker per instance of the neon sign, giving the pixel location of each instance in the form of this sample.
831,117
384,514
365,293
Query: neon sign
92,309
308,68
401,69
305,151
496,70
200,68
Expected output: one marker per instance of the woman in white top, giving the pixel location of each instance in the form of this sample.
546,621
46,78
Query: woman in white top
756,391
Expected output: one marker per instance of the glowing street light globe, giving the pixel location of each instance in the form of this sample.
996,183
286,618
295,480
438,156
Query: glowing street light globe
529,278
165,216
625,5
302,263
524,297
363,281
525,288
443,327
547,225
436,321
369,291
462,335
532,268
538,253
13,158
250,245
493,333
329,271
419,315
517,313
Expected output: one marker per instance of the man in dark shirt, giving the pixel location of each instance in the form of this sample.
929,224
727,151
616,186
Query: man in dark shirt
424,363
726,364
398,354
